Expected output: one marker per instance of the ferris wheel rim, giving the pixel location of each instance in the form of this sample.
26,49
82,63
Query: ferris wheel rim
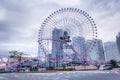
85,14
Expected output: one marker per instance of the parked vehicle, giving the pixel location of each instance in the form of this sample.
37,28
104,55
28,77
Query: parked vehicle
118,64
105,67
23,68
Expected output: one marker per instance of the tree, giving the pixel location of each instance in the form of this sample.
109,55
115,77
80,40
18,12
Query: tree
113,63
16,56
13,54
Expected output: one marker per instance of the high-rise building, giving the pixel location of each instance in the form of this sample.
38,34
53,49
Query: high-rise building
79,46
57,47
118,41
111,51
97,53
40,51
48,61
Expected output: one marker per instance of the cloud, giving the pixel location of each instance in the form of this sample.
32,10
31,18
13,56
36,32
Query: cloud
64,3
21,24
20,20
2,14
106,15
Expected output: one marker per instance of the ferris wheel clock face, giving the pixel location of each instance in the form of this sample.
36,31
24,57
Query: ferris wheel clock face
68,25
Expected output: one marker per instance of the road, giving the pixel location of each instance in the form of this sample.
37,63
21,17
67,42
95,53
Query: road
62,75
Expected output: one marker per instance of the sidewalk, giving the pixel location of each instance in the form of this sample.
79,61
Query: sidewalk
46,71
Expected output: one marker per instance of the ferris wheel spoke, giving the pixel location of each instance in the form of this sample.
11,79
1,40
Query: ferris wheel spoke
77,23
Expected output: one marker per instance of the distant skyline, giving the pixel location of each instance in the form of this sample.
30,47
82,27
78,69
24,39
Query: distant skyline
20,20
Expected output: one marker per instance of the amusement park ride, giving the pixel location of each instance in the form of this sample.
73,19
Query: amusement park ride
56,34
69,23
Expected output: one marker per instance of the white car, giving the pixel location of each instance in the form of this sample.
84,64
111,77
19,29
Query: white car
105,67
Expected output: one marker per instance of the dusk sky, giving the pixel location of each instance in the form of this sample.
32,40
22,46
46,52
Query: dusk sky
20,20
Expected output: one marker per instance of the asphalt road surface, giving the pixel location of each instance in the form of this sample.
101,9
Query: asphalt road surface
62,75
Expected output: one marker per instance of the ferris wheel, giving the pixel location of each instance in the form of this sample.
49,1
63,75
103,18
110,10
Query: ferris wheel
65,27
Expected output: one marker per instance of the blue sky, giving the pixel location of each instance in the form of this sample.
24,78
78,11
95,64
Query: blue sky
20,20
